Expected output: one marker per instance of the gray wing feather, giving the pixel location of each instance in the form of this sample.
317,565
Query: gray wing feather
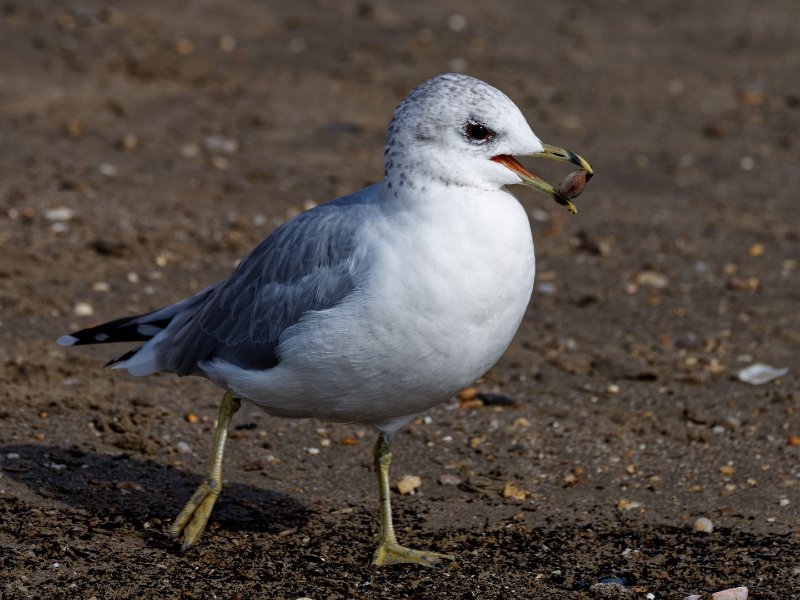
307,264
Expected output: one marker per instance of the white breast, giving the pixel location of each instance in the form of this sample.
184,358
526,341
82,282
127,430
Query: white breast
448,287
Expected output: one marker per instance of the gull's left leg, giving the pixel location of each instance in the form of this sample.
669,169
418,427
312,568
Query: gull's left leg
194,516
389,552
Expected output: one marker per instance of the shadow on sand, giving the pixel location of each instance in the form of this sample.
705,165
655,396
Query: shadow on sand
114,488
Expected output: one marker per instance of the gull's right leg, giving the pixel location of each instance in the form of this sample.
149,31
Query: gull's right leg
194,516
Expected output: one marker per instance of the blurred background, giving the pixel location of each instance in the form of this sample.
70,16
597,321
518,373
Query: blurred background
146,146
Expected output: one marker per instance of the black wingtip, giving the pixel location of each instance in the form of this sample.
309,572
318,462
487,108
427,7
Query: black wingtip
128,329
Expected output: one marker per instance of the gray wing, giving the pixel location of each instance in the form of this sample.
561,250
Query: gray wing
307,264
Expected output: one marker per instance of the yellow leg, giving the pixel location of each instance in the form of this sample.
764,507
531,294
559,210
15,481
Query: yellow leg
389,552
194,516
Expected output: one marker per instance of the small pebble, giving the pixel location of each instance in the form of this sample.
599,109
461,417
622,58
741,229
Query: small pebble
129,486
221,144
610,589
546,288
542,216
107,170
190,151
313,451
62,213
220,162
12,456
468,393
652,279
457,22
458,64
625,504
129,142
512,491
746,284
408,484
83,309
184,47
227,43
703,525
449,479
183,447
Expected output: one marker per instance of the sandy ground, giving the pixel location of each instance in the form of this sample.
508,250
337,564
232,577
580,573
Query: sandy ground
145,146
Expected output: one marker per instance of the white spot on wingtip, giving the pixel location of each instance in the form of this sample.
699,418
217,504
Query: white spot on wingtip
67,340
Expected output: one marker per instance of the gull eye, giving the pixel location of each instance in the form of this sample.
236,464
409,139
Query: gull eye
478,132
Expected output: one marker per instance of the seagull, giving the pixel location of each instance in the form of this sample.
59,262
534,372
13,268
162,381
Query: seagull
374,307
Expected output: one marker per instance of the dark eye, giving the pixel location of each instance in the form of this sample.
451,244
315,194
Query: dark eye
478,132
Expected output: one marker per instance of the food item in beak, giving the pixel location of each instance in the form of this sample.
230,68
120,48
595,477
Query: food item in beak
573,184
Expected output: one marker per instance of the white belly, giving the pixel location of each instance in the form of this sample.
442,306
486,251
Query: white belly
443,300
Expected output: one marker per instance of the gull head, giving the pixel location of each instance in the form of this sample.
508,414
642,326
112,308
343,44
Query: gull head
459,131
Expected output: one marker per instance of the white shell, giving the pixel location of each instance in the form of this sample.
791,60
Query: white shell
739,593
759,374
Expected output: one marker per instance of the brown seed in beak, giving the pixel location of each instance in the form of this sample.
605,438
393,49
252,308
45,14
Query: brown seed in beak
572,185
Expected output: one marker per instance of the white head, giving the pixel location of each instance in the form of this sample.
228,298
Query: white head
459,131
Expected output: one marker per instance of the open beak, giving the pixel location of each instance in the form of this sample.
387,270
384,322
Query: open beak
537,183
